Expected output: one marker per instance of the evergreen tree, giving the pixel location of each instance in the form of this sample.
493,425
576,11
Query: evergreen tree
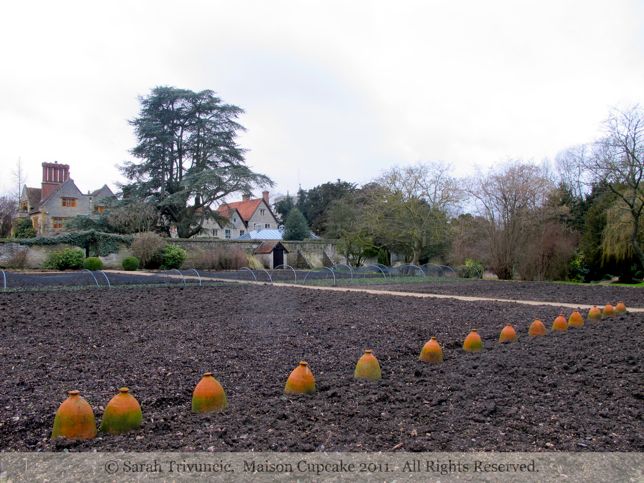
295,227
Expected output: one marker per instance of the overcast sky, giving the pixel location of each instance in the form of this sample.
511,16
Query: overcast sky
331,89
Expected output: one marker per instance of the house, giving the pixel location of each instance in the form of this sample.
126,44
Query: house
243,216
59,199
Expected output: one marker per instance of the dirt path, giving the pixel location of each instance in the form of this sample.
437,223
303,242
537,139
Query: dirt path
391,292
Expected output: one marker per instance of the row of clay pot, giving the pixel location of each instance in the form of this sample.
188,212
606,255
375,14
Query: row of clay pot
75,418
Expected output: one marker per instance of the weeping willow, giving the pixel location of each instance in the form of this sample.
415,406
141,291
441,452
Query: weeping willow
616,237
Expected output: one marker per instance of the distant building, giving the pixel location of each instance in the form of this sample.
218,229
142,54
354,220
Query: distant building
59,199
242,217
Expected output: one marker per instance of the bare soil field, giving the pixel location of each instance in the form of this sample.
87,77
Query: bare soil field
580,390
594,294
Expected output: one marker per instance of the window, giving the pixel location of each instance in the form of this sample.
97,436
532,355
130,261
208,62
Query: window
57,223
227,234
262,212
69,202
241,232
256,226
267,225
99,209
23,206
215,232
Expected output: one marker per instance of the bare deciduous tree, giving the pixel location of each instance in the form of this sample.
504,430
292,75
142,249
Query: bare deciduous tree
618,161
508,198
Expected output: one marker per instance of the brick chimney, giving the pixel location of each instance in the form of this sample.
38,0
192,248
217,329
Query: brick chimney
266,198
53,175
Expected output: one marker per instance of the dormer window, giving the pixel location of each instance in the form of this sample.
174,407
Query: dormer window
69,202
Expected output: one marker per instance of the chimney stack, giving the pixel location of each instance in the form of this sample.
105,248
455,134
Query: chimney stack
265,196
53,175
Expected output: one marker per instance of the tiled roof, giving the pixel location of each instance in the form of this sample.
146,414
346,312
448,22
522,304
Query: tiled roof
267,247
245,208
33,194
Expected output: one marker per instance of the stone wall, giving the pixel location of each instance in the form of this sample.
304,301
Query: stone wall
305,254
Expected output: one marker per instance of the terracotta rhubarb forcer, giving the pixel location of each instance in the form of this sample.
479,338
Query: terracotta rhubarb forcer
122,413
560,324
576,320
620,308
74,419
595,313
432,352
301,380
473,342
508,334
537,328
368,367
608,311
208,395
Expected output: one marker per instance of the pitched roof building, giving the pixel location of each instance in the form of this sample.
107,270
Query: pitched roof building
59,199
242,217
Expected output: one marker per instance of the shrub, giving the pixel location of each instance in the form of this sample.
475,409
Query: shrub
471,269
173,256
225,258
130,264
148,248
93,263
23,228
68,258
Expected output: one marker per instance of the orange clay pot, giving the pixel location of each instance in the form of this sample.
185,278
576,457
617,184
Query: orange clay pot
620,308
368,367
122,413
595,313
208,395
508,334
301,380
432,352
473,342
537,328
560,324
576,320
74,419
608,311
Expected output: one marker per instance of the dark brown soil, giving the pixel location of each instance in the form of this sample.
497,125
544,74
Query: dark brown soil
581,390
594,294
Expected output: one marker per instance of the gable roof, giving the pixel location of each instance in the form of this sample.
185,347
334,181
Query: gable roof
246,208
33,196
268,246
67,184
102,192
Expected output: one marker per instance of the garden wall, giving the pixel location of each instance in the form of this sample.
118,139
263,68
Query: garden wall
305,254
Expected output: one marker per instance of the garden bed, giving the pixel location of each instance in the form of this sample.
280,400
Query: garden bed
578,391
595,294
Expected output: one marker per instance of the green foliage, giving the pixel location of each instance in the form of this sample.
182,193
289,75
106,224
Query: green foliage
577,269
93,263
67,258
23,228
295,227
283,207
313,203
130,264
97,243
188,157
173,256
86,223
471,269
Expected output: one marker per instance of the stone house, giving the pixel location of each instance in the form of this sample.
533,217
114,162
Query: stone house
243,216
59,199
